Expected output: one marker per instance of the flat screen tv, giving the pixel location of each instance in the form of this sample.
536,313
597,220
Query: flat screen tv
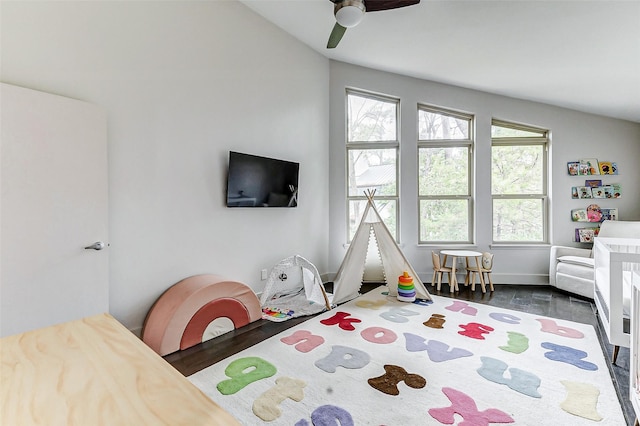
254,181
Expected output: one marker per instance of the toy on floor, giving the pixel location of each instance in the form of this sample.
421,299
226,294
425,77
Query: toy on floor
196,309
406,288
294,288
276,314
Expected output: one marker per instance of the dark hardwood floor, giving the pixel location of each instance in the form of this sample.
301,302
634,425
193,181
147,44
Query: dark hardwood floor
541,300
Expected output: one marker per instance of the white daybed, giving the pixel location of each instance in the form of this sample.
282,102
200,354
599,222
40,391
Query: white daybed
616,259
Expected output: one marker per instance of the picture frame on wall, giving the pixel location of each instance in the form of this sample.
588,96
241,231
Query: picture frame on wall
589,166
574,192
609,214
584,192
613,191
598,192
608,168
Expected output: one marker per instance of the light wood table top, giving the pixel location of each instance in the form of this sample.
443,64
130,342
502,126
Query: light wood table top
96,372
461,253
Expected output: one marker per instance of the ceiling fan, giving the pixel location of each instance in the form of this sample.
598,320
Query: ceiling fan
349,13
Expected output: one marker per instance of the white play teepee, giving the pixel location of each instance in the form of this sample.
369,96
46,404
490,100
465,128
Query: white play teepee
372,230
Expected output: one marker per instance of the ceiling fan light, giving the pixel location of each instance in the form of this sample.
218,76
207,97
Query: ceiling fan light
349,13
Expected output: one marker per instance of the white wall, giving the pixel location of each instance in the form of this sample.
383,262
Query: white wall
575,135
183,83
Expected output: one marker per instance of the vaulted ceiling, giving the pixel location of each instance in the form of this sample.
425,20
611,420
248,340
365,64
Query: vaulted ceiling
583,55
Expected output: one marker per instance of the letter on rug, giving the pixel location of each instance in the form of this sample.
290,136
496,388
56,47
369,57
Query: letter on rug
388,382
266,406
343,356
306,341
330,415
398,315
507,318
379,335
581,400
436,350
517,343
371,304
550,326
436,321
569,355
261,369
466,407
475,330
463,307
342,320
521,381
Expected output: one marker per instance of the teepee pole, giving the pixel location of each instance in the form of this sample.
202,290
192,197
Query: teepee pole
370,193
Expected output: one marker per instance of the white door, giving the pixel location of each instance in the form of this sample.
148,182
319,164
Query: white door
53,203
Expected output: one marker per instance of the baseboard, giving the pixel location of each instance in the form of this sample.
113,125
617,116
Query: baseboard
497,278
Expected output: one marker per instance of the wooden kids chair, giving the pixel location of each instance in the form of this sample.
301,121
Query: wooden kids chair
486,264
438,270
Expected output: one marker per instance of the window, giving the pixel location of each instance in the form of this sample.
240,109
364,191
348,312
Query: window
372,157
519,183
445,142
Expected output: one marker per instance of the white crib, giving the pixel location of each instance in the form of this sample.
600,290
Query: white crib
634,374
616,259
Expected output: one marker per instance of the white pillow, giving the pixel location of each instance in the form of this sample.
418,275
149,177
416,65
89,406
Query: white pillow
577,260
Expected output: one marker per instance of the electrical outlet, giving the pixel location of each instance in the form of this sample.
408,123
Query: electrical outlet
263,274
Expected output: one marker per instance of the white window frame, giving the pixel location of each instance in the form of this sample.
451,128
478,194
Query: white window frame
544,196
362,145
449,143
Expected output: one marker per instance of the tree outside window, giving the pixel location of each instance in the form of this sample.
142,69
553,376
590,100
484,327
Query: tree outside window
444,175
519,183
372,157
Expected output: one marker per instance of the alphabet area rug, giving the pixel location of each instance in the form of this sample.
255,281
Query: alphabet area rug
379,361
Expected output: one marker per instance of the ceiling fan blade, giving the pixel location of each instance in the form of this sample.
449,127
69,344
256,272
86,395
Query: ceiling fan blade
377,5
336,35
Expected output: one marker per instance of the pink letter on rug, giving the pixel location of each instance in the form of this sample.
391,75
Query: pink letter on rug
306,341
379,335
465,406
463,307
550,326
